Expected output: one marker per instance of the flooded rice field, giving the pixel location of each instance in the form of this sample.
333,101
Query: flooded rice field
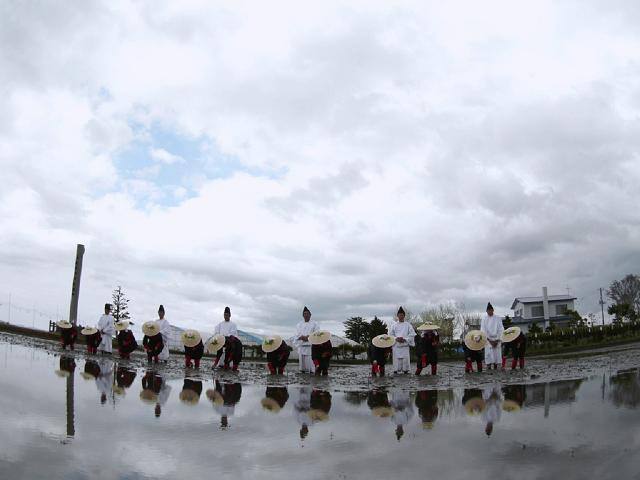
79,416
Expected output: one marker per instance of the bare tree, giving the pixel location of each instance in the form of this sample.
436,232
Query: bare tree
626,292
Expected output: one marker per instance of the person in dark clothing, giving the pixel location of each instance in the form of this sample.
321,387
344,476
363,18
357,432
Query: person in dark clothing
427,348
67,365
277,352
232,353
321,356
378,403
473,343
125,377
320,403
193,353
93,338
378,358
153,345
427,404
68,334
518,347
471,356
126,340
514,393
191,391
275,399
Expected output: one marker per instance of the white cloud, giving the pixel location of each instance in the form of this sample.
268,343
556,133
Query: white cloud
162,156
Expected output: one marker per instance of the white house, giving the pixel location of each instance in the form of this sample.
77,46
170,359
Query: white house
544,310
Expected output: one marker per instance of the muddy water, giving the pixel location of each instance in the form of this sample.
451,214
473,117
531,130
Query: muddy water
91,417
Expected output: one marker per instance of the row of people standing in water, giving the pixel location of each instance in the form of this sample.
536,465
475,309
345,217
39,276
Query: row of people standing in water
313,344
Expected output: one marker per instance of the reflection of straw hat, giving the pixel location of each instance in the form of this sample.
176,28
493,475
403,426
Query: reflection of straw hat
122,325
151,328
63,373
317,415
271,343
475,406
270,404
382,412
64,324
510,334
427,425
189,396
319,337
190,338
215,344
215,396
510,406
428,326
148,396
118,390
475,340
383,341
87,376
89,331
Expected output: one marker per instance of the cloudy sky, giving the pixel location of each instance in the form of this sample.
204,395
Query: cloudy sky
347,156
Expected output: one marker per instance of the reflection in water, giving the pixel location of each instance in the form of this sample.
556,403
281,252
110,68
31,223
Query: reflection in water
275,399
67,369
378,403
311,406
402,410
625,388
155,391
191,391
427,405
514,397
104,380
124,380
224,399
493,407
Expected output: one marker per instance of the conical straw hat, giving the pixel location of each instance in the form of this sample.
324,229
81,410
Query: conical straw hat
215,396
383,341
148,396
475,340
122,325
317,415
382,412
64,324
428,326
510,334
190,338
63,373
475,406
510,406
319,337
151,328
270,404
215,344
271,343
89,331
118,390
189,396
87,376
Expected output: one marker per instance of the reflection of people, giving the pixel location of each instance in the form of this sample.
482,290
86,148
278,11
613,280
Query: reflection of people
275,399
232,344
104,380
378,403
491,326
514,397
191,391
321,356
124,377
402,410
155,390
67,365
107,329
427,405
303,330
493,409
91,370
301,408
320,403
165,331
230,393
126,340
405,334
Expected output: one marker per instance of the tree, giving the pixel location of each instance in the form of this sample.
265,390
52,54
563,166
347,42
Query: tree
376,327
119,305
357,329
575,320
626,292
622,312
506,321
535,328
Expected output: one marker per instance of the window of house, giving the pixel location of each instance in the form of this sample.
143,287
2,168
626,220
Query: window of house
561,309
537,311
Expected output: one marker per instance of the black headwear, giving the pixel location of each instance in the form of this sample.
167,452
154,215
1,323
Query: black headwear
305,310
489,306
401,310
227,310
160,308
107,305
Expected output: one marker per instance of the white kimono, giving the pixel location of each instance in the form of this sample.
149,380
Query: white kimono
104,382
227,329
493,400
165,391
302,405
108,329
402,407
165,331
493,329
304,348
401,353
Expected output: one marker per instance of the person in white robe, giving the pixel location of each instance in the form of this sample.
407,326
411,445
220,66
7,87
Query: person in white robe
165,331
226,328
301,341
493,412
491,326
104,381
405,338
107,329
402,410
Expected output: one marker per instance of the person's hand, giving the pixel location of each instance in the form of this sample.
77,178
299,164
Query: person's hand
400,340
375,362
304,338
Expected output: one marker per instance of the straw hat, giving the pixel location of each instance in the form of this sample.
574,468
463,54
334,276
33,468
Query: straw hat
118,390
428,326
87,376
64,324
383,341
427,425
317,415
122,325
151,328
475,406
270,404
189,396
148,396
319,337
510,334
475,340
216,343
190,338
63,373
271,343
510,406
382,412
89,331
215,396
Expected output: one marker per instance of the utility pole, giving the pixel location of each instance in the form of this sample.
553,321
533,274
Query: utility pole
602,306
75,288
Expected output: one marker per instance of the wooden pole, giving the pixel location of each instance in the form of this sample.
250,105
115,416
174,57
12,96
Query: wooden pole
75,288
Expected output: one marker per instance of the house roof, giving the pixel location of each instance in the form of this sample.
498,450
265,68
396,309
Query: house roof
551,298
